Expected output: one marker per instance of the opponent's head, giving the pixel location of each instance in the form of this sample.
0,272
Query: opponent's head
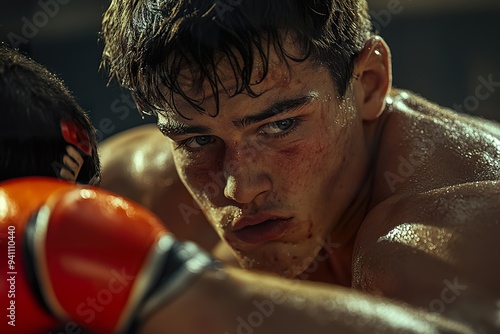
40,119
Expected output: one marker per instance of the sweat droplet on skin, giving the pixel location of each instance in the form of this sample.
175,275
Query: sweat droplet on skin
436,238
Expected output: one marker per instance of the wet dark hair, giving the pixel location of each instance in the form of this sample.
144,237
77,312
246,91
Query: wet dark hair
148,42
33,102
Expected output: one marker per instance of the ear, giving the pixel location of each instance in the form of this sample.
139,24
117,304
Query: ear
373,78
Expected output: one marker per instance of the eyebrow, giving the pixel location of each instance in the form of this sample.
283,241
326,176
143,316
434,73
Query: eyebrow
278,108
172,128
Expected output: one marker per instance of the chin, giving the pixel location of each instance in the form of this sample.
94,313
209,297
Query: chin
282,264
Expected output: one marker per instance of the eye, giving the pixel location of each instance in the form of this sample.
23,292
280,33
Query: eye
196,142
278,127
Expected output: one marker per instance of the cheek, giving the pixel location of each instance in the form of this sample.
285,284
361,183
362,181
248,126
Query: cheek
307,166
200,178
205,184
301,159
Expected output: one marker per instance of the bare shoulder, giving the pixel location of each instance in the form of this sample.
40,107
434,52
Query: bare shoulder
438,250
428,108
125,147
135,159
425,147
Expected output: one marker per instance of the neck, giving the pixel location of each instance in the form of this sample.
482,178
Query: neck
332,265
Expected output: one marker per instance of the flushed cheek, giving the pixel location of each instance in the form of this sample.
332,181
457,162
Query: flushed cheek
303,175
209,193
206,186
309,174
204,178
303,166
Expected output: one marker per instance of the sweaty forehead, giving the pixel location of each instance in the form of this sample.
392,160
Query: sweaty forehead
228,79
272,69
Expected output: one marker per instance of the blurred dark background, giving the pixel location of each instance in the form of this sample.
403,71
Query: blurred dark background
442,49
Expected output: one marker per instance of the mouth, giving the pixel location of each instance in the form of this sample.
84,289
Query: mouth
260,232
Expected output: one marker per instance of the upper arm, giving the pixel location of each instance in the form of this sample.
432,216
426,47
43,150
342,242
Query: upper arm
438,250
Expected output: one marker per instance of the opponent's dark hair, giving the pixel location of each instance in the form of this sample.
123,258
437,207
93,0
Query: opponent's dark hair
33,102
148,42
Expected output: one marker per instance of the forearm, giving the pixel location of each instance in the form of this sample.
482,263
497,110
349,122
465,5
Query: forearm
245,302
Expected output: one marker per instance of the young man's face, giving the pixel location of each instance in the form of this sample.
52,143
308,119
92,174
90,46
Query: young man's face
274,174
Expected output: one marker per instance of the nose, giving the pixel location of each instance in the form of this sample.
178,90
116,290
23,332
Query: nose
246,179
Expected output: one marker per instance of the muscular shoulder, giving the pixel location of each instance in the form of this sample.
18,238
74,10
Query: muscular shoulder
135,160
414,248
126,147
425,147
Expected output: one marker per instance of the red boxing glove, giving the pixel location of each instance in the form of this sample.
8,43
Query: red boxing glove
104,262
21,313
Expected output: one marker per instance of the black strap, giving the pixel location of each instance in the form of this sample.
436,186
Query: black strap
29,263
